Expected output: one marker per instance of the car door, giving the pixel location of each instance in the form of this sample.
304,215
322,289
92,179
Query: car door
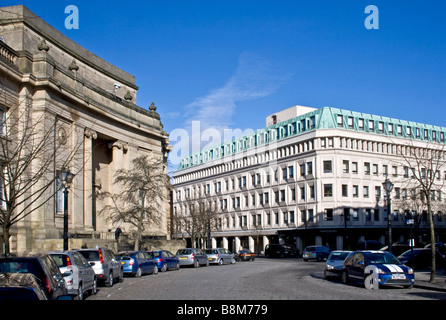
227,256
86,272
170,259
54,276
144,262
201,257
358,266
115,264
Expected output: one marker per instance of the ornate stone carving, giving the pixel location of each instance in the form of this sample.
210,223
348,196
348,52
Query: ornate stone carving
43,46
73,66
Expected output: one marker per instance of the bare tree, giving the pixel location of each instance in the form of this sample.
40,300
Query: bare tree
142,199
423,165
199,219
34,144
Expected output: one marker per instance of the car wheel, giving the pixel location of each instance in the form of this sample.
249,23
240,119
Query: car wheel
220,262
164,268
138,272
196,263
155,270
345,279
80,293
177,267
325,274
110,281
233,261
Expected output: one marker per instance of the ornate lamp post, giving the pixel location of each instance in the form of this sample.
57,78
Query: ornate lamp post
388,187
66,177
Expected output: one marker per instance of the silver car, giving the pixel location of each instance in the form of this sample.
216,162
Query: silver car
105,264
335,263
220,256
78,273
192,256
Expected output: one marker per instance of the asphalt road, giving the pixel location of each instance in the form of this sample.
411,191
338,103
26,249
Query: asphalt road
261,280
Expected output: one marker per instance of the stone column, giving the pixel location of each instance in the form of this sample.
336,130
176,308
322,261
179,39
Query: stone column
89,136
118,149
237,244
225,243
251,244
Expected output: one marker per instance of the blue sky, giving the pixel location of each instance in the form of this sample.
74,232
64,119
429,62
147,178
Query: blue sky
230,63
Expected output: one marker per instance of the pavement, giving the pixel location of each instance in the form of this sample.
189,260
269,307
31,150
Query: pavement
422,278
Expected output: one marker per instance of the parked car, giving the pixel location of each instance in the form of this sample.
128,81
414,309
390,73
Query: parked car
375,269
368,245
317,253
192,256
335,263
165,260
279,250
440,247
422,258
43,267
137,263
220,256
397,248
20,287
81,277
245,255
106,266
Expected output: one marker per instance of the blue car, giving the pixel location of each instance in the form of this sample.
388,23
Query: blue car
165,260
137,263
375,269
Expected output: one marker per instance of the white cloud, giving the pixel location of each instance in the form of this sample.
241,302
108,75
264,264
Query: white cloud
254,78
209,119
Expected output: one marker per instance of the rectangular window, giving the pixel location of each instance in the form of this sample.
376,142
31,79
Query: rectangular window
345,166
328,214
345,190
328,167
328,190
367,168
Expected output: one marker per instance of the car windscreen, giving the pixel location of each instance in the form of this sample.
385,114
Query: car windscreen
380,258
338,255
184,252
210,251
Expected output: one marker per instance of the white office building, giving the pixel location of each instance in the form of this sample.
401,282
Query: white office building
313,176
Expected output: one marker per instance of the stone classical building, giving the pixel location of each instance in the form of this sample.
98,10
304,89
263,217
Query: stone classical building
91,107
315,176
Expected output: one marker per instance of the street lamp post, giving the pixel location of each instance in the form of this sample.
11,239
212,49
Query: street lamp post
65,177
388,187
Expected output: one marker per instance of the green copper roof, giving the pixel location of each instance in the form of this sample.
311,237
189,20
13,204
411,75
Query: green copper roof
324,118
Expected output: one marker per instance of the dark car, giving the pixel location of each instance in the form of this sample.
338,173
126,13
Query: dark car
137,263
21,287
422,258
375,269
166,260
397,248
279,250
369,245
245,255
43,267
317,253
